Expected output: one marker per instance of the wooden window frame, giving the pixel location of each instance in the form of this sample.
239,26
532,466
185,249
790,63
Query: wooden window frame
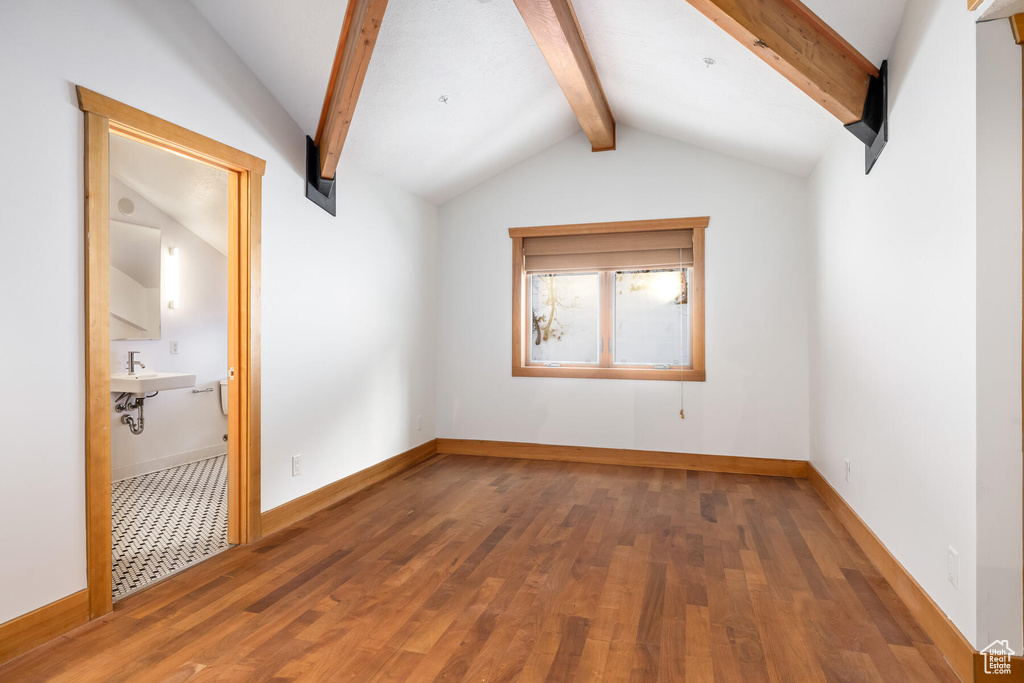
105,117
695,372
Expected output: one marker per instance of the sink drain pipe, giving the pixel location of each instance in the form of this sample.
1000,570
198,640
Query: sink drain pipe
125,404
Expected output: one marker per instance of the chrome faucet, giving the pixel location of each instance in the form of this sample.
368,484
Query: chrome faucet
132,362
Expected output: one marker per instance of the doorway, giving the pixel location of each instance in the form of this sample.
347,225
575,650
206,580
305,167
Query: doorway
107,123
168,357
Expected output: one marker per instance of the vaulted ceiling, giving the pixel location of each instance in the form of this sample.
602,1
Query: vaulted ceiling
502,101
194,194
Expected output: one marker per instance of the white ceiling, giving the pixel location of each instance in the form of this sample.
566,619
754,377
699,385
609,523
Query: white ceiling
194,194
991,10
504,104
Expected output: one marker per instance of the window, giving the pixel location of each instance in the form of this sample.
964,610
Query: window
609,300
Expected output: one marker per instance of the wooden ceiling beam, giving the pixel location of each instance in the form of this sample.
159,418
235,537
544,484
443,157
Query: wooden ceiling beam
795,42
554,26
1017,26
355,46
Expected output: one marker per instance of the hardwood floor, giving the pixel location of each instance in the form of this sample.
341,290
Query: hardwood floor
487,569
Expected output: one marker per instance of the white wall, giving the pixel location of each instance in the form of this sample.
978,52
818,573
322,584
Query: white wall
893,320
755,401
181,426
1000,594
349,334
338,387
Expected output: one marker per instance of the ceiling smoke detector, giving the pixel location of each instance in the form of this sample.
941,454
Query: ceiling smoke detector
126,206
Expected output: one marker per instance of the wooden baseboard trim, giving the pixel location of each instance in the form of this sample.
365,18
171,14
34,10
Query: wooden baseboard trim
29,631
302,507
957,650
624,456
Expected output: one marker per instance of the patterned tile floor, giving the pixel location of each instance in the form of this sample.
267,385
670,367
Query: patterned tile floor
168,520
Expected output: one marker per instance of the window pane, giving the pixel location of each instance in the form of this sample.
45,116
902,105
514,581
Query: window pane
566,318
652,322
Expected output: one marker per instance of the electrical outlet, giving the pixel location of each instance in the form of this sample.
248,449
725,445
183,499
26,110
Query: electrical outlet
174,347
419,423
296,465
847,470
953,566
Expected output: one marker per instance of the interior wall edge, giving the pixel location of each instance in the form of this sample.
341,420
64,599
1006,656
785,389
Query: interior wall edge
953,645
999,523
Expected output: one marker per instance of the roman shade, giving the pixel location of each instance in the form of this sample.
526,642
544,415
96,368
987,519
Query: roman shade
632,250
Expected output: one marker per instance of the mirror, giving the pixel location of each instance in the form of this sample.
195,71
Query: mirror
135,254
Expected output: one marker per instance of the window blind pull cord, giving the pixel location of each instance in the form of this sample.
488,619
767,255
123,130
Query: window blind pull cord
682,372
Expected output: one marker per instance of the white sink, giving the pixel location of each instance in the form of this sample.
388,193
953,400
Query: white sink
147,383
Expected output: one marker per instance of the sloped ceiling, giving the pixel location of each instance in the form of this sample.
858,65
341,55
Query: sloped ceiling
503,103
993,10
194,194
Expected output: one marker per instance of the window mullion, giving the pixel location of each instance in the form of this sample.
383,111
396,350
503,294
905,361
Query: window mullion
607,323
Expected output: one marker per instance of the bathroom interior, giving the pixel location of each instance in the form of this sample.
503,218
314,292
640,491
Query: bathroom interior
169,362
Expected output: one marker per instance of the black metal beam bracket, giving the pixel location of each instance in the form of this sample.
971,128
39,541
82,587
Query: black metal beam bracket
873,127
319,191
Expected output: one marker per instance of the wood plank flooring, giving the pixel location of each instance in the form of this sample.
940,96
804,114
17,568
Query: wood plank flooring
488,569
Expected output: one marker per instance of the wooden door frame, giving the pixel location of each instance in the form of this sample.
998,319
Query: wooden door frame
103,117
1017,30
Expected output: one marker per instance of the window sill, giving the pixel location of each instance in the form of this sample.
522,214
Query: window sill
610,373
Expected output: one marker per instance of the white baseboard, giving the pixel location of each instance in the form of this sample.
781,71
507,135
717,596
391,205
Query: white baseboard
167,462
